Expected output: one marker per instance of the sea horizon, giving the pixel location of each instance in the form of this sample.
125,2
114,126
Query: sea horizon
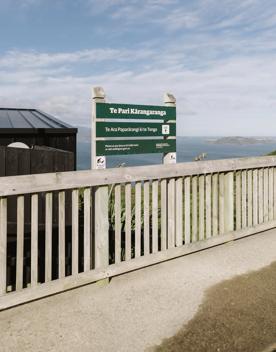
188,148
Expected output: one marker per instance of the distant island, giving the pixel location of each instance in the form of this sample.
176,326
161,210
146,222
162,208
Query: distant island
242,140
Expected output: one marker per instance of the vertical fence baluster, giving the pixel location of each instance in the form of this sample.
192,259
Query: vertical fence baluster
187,209
229,202
270,194
208,202
75,231
118,226
274,193
221,203
128,221
179,212
137,219
255,197
20,243
146,217
34,240
249,199
201,215
3,246
194,208
238,200
215,204
101,226
87,229
261,195
171,213
164,214
244,199
48,236
266,195
154,216
61,234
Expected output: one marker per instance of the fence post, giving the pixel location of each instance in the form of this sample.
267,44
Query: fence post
228,202
170,158
101,223
3,245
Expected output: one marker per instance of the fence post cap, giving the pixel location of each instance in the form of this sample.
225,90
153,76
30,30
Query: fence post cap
169,98
98,92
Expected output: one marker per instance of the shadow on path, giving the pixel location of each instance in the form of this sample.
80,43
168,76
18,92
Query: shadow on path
237,315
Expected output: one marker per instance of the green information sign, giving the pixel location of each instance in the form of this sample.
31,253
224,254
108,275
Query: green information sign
142,146
135,129
127,111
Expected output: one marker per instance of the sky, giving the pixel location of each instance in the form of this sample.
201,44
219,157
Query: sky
217,57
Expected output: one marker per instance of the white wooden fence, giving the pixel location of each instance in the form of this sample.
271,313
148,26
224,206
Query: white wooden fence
126,218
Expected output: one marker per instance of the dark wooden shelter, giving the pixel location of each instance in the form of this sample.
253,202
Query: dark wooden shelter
51,147
36,128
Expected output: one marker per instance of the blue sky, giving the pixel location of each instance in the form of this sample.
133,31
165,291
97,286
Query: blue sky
218,57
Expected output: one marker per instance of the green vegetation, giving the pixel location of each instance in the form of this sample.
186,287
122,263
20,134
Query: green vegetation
272,153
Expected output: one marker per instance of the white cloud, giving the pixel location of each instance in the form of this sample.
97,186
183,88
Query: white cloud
204,15
218,58
233,97
34,59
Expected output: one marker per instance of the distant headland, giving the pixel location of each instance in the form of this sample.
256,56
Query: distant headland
242,140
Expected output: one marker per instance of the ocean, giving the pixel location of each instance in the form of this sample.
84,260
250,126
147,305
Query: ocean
187,149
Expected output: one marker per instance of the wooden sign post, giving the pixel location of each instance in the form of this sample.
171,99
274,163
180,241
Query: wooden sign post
98,96
101,224
169,158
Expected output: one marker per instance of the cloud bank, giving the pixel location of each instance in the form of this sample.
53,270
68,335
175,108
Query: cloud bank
218,59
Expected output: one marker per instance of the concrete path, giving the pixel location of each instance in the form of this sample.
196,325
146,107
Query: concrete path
135,311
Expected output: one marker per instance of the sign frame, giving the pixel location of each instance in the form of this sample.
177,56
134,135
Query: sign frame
162,118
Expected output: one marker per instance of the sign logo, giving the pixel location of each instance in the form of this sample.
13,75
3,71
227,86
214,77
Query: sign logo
101,162
165,129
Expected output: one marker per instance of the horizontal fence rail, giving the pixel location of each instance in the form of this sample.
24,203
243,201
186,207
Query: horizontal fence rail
102,223
13,185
